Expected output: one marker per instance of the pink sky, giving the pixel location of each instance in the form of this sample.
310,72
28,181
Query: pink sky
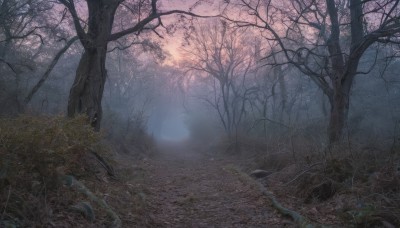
208,7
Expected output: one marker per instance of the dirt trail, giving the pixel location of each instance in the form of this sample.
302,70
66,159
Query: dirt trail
188,189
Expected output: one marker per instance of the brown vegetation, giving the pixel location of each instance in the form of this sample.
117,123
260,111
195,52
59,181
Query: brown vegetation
42,156
357,187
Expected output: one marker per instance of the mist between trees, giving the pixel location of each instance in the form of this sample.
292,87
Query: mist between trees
303,78
260,68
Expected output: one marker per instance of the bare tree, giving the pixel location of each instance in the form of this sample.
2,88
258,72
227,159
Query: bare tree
22,28
19,20
95,32
221,56
325,40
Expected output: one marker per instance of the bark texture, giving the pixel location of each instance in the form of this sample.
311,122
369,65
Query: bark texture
87,90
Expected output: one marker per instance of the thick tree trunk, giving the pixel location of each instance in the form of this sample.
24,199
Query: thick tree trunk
87,91
338,116
341,82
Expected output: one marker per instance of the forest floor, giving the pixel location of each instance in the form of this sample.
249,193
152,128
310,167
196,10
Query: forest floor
190,189
183,184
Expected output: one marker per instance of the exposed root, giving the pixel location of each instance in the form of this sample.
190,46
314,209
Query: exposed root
300,220
70,181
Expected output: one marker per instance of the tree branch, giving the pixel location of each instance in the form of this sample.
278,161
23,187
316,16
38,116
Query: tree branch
141,24
46,74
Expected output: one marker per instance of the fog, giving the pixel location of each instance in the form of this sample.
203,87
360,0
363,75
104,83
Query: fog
188,97
175,102
174,129
168,124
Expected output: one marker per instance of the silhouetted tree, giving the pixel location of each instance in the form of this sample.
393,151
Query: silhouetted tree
325,40
95,33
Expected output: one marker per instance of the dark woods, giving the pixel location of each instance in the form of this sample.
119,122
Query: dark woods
306,87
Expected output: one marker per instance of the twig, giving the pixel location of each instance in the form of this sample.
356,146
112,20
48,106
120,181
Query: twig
45,194
305,171
103,163
5,206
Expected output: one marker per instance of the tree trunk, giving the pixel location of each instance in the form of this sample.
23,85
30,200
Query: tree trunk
87,91
339,110
283,91
344,71
338,98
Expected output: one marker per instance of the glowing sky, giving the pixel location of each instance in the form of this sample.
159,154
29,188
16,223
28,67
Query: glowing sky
174,42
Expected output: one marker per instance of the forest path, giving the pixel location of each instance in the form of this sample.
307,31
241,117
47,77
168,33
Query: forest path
188,189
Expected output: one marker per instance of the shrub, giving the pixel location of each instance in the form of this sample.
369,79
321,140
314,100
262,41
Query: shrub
33,152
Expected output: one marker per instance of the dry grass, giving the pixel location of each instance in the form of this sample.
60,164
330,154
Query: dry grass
34,151
348,185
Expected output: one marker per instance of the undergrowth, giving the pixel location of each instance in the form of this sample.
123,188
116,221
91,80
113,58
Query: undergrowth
34,153
129,136
345,186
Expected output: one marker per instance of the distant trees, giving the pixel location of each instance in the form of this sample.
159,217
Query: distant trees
223,58
325,40
46,74
23,27
20,20
247,73
131,93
